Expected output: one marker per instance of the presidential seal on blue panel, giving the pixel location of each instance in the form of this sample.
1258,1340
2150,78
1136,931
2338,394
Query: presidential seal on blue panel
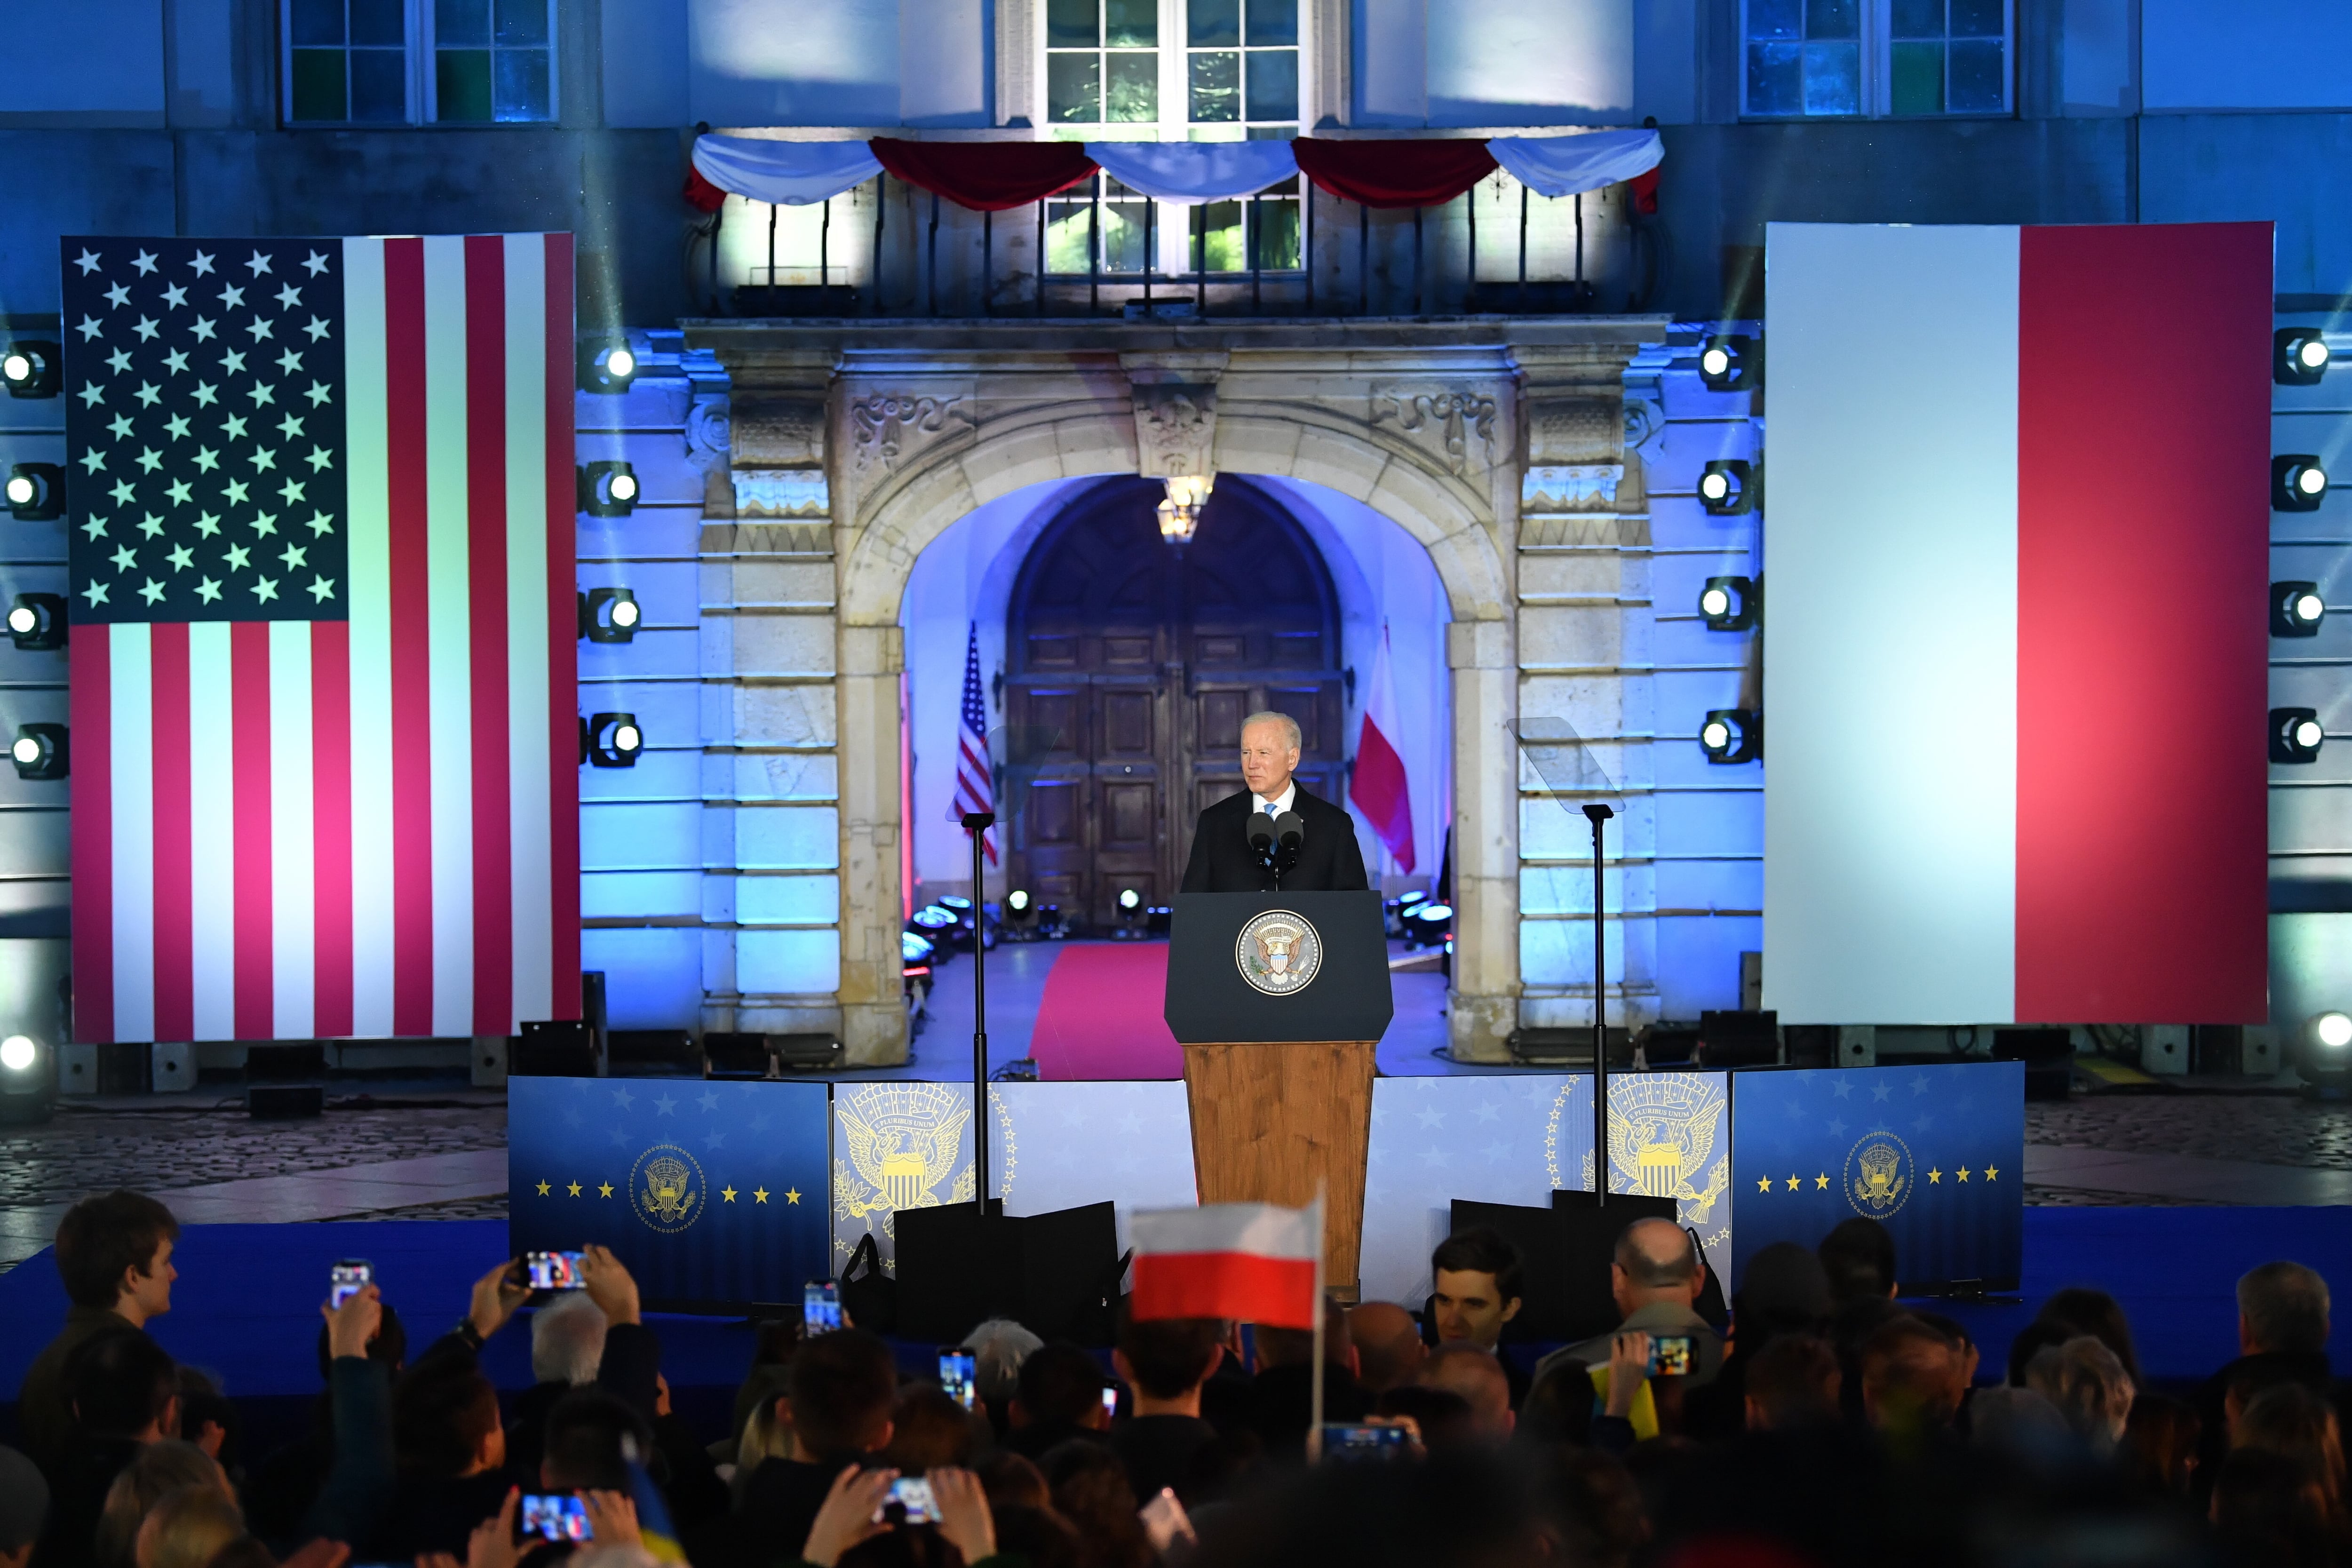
666,1188
1878,1174
1278,952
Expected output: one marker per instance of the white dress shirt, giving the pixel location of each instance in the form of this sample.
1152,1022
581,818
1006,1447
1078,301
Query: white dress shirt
1277,803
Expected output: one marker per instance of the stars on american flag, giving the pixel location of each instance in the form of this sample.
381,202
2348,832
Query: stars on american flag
205,426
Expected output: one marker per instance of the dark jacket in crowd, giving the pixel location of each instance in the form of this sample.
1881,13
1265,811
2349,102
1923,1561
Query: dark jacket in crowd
2310,1369
45,1418
1281,1398
780,1503
1039,1439
1159,1450
77,1489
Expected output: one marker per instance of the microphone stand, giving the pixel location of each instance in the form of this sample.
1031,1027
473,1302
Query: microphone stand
976,824
1599,813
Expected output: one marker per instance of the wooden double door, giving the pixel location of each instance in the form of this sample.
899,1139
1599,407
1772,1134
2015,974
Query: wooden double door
1130,665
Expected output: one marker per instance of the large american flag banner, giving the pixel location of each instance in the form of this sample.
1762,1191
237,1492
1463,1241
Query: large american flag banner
325,735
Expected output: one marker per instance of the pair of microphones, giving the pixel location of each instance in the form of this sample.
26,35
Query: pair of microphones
1277,838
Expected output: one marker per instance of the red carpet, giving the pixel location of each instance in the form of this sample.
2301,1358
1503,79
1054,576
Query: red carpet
1099,1017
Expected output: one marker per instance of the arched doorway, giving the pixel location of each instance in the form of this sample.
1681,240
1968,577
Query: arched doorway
1130,665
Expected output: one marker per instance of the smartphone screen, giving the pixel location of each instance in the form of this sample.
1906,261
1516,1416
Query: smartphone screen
820,1307
1670,1355
559,1516
908,1502
958,1376
345,1277
1110,1402
553,1270
1352,1442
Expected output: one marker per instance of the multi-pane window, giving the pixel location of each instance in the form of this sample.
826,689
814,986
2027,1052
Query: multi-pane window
1875,57
1102,62
1240,64
450,62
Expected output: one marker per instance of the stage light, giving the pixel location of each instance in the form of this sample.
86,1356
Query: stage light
2295,735
36,622
614,739
1130,915
1020,916
2297,483
18,1053
1728,488
2298,357
2297,609
2322,1049
609,615
1729,603
915,952
608,487
1731,363
1427,925
607,365
39,752
1732,735
37,492
2333,1030
29,368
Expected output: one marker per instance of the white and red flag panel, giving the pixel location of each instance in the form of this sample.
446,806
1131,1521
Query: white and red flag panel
324,729
2014,665
1256,1263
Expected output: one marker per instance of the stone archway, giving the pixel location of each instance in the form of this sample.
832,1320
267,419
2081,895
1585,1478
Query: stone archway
892,435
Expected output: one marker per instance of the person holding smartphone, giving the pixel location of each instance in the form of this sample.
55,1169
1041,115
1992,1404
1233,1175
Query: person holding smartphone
1656,1276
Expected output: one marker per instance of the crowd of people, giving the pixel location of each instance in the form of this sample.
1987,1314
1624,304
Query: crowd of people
1820,1420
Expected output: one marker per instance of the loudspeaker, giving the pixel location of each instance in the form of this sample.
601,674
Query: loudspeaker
1738,1040
562,1047
634,1053
2048,1055
1057,1273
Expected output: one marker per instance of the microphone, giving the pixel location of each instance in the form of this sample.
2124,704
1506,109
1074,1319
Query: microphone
1261,833
1291,830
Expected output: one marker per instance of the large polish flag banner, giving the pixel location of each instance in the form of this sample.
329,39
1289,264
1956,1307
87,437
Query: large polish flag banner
1255,1263
2015,660
324,723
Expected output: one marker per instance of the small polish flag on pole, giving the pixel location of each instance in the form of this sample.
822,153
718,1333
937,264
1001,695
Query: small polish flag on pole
1255,1263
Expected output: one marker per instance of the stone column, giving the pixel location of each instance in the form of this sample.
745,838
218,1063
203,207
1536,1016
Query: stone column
1583,677
1481,1004
773,839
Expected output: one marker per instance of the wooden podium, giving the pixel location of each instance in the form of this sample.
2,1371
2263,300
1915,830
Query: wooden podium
1280,1081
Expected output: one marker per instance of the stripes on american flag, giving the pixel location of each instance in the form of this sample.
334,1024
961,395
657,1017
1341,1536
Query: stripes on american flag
975,783
325,727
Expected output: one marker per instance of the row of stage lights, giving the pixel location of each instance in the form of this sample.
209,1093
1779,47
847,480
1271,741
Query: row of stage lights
2299,357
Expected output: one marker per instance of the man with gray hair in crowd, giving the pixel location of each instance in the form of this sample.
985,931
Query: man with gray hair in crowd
2282,1337
1655,1277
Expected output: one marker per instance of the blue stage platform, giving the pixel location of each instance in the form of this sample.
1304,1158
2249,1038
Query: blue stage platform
246,1307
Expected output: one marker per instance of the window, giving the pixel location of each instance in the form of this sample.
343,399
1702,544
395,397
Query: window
395,62
1172,71
1827,58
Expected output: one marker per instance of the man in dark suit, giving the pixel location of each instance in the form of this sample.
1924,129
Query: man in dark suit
1223,860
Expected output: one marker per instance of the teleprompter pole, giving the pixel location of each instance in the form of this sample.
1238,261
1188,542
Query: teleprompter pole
977,823
1599,813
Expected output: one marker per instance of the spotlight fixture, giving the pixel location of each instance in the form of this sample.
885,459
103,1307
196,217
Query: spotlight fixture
608,487
18,1053
1180,513
614,739
31,369
1130,915
607,365
2323,1050
1727,486
2297,609
1732,735
1427,924
1731,363
2297,483
1020,916
2295,735
2298,357
1730,603
608,614
39,752
37,492
36,622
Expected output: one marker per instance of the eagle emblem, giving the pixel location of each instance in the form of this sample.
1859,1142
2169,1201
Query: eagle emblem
666,1187
1278,952
1668,1139
904,1141
1876,1184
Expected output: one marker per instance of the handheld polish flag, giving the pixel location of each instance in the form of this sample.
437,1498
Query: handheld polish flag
2020,483
975,788
1253,1263
1378,789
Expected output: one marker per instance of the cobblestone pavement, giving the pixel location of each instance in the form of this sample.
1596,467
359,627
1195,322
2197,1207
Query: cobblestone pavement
84,1149
2266,1128
2039,1196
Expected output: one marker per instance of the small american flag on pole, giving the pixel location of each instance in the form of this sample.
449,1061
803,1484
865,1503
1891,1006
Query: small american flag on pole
975,788
322,660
